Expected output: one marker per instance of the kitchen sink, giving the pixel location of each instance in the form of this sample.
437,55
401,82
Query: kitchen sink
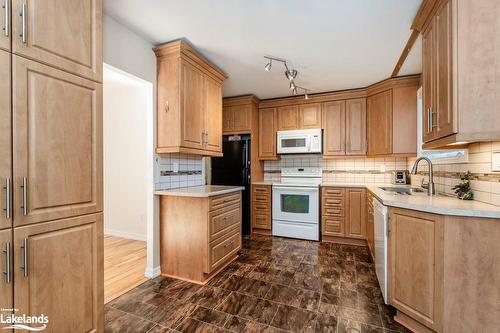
401,190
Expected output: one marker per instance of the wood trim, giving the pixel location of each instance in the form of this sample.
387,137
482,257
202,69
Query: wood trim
423,15
240,100
166,150
344,240
402,58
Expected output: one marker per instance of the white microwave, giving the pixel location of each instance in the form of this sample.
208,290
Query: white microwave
300,141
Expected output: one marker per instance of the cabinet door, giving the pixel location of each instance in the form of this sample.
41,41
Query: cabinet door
310,116
227,118
356,126
193,108
213,115
6,31
355,213
5,142
168,112
7,282
267,133
380,123
64,34
59,273
444,108
242,118
288,118
428,82
333,128
57,143
415,265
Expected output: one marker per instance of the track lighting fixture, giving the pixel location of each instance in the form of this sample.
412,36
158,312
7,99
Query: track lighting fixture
290,74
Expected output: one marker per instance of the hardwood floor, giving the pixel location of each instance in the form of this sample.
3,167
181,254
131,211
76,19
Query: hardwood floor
124,265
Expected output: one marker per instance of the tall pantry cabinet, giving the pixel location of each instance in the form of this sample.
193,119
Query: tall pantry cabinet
51,228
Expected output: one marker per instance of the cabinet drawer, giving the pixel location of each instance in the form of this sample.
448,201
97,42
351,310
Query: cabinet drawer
332,226
262,221
261,189
261,197
221,251
220,223
333,192
224,200
333,201
331,211
261,206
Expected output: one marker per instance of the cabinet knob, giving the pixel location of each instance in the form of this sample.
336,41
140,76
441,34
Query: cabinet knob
167,106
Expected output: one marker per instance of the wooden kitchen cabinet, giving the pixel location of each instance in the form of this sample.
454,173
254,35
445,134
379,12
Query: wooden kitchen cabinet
370,224
459,84
310,116
267,134
5,142
355,126
199,236
237,119
380,123
7,282
416,265
189,102
57,132
343,215
261,209
59,273
6,32
334,136
63,34
288,118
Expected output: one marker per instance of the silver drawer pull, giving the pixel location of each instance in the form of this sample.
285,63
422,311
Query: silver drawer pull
24,202
23,23
7,199
7,273
6,17
24,267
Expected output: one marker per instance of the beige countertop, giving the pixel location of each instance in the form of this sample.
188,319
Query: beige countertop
439,204
200,191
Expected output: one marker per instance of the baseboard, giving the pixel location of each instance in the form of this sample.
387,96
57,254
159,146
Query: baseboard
151,273
127,235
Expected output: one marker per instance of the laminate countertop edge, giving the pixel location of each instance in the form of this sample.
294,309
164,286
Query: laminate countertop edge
204,191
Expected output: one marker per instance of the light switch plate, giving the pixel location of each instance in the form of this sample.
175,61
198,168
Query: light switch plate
495,161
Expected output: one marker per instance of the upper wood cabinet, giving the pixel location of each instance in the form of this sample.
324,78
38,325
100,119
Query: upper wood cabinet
415,265
267,133
288,118
334,128
58,273
63,34
380,123
460,87
57,132
5,20
310,116
189,105
5,142
355,126
240,114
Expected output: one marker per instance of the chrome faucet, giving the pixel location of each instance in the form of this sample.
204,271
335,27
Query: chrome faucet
430,189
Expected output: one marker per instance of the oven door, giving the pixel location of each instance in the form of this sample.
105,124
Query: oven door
289,143
296,204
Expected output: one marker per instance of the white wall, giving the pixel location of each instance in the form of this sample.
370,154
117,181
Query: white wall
126,101
131,53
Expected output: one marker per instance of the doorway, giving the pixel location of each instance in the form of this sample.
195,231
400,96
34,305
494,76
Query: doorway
128,179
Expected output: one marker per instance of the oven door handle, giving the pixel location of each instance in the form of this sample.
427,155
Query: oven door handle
295,188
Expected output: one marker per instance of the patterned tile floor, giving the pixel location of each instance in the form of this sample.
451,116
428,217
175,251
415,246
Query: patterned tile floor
276,285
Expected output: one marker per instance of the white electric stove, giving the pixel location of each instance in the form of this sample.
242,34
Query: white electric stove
296,203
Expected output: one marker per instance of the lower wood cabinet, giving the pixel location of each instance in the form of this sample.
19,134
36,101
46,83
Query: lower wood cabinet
261,209
370,226
343,214
58,272
199,236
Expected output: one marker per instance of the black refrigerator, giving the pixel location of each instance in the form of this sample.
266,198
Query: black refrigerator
233,168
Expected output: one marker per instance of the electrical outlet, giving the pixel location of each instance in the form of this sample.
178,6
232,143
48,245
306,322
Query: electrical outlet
175,167
382,168
495,161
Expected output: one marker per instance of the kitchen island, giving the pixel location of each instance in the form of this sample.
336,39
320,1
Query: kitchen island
200,230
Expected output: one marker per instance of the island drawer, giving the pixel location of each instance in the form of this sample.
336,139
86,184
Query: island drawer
222,220
219,252
225,200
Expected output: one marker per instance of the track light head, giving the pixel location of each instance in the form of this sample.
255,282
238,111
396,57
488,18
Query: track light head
293,86
291,74
306,96
268,65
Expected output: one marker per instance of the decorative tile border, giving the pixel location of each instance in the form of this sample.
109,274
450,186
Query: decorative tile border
172,173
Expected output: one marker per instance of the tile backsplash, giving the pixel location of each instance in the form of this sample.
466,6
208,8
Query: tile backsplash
341,170
180,170
485,183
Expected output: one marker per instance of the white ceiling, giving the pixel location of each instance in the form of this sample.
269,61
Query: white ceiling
334,44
